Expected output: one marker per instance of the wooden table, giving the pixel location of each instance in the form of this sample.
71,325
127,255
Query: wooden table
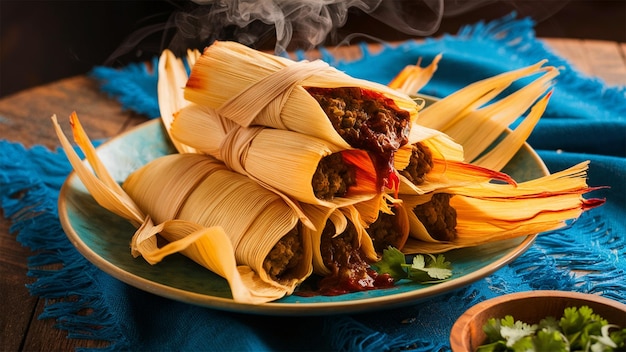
24,117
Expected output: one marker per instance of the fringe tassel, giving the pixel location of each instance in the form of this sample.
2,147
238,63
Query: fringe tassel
347,334
586,258
575,91
30,181
134,86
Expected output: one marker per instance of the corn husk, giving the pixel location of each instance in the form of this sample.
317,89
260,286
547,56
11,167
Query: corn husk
102,187
170,93
438,142
413,78
476,117
489,212
254,88
272,156
340,219
202,191
232,239
390,210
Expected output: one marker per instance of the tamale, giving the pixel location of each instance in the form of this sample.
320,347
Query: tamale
259,222
303,167
487,212
312,98
342,252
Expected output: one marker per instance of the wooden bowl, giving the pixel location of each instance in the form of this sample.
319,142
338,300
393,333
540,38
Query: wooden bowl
530,307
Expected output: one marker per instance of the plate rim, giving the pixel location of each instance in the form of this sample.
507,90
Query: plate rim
277,308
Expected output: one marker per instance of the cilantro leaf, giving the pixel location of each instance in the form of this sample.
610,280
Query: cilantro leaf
579,329
549,324
425,269
526,344
429,269
392,263
550,341
580,324
492,330
516,331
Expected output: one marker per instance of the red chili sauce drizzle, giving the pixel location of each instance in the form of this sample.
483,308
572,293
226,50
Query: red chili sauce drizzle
350,272
367,120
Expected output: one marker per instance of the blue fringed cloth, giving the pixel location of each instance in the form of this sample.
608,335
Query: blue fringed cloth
585,120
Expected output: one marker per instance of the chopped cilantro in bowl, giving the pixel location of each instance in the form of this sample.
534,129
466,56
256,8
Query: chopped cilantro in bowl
579,329
541,320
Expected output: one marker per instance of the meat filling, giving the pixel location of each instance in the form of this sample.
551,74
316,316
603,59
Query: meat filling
438,217
420,164
350,271
384,232
332,177
366,120
364,117
285,255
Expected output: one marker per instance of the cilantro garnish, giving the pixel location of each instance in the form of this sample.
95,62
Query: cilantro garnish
425,269
579,329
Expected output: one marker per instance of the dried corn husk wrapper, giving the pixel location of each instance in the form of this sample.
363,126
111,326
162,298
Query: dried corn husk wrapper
443,173
386,223
281,160
340,221
200,190
478,117
204,212
254,88
488,212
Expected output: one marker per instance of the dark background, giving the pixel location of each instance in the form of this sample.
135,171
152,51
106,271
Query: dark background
42,41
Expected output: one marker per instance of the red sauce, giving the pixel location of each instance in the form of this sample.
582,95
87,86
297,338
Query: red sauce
350,272
367,120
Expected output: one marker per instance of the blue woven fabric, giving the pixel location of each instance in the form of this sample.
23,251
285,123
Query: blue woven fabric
585,120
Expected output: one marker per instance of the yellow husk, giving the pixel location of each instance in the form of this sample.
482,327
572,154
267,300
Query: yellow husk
170,93
412,78
339,218
489,212
481,127
254,218
498,157
438,142
253,88
208,245
470,119
268,156
446,174
446,112
103,188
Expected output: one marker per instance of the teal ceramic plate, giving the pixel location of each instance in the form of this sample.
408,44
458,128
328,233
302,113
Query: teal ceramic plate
104,238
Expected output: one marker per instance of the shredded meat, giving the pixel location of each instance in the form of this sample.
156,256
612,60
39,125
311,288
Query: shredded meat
420,164
350,272
438,217
366,120
332,177
286,254
384,232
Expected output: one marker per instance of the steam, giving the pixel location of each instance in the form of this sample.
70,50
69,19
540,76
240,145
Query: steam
289,25
304,24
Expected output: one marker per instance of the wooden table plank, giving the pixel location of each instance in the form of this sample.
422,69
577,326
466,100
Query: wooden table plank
594,58
26,115
17,304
